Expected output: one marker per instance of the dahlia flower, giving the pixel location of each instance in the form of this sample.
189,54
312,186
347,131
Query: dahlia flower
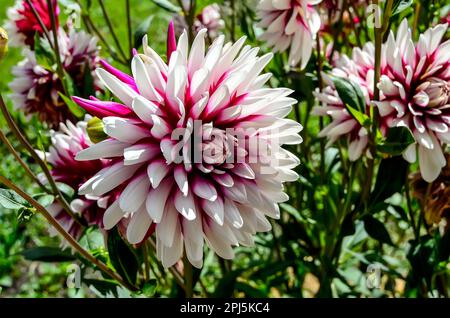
415,87
173,149
66,143
35,87
22,24
290,23
360,70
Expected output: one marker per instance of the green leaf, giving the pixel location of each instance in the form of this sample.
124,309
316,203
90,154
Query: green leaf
350,93
47,254
11,200
390,179
95,130
45,56
167,5
400,5
361,118
376,230
66,189
397,140
104,287
149,287
141,31
76,110
44,199
122,257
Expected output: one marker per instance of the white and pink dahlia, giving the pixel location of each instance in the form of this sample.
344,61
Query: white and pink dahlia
36,87
22,24
290,23
209,18
360,70
415,87
66,143
174,153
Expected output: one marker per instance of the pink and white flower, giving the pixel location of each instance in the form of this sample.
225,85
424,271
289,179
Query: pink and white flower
35,87
66,143
290,24
22,24
360,70
415,87
190,202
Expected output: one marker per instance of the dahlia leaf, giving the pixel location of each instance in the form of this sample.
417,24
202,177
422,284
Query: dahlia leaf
122,257
141,31
167,5
11,200
44,53
149,288
397,140
361,118
350,93
76,110
377,230
390,179
400,5
47,254
67,190
44,199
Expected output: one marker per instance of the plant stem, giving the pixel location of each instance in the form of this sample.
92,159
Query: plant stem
146,263
66,235
13,127
59,66
188,278
409,205
21,162
41,23
130,38
111,29
320,86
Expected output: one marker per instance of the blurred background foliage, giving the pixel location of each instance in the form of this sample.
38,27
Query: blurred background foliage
324,245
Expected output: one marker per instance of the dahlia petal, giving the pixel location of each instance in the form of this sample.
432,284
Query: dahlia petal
112,177
145,109
135,193
142,79
410,154
431,162
104,149
112,215
166,229
120,89
124,129
102,109
204,188
156,171
185,204
139,153
181,179
139,225
157,200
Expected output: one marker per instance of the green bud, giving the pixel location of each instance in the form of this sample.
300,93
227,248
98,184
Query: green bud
3,43
95,130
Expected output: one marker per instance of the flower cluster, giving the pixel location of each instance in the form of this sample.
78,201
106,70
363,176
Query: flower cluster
66,143
36,87
290,24
415,87
359,69
169,112
23,25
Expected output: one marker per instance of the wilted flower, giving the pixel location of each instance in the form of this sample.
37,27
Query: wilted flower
66,143
360,70
416,93
173,149
290,23
36,87
436,199
22,24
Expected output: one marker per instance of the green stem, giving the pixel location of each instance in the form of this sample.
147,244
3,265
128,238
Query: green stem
16,155
59,66
41,23
39,208
111,29
188,278
16,131
129,29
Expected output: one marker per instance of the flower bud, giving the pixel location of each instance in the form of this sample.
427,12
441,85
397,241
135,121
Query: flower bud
3,43
95,130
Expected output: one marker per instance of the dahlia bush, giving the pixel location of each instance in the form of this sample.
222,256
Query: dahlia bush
196,148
